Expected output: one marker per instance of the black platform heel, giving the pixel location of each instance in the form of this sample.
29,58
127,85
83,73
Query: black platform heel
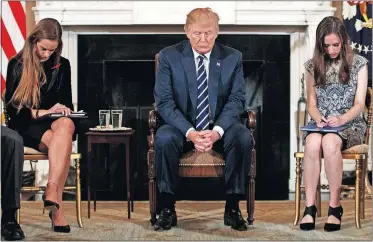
336,212
50,205
59,229
311,210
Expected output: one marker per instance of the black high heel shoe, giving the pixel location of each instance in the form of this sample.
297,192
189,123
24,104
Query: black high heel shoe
311,210
336,212
50,205
59,229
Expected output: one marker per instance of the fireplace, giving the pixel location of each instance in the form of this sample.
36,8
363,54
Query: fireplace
294,22
117,72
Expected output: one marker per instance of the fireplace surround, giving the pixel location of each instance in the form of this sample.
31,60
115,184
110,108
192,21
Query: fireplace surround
296,19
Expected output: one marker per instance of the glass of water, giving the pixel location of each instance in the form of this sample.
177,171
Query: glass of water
104,118
116,118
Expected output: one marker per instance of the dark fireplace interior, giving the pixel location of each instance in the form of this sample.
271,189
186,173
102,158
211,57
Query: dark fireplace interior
117,72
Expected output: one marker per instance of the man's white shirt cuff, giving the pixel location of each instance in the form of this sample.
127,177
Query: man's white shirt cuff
216,128
190,129
219,130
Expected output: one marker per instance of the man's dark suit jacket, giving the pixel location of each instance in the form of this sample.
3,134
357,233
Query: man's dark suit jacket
175,89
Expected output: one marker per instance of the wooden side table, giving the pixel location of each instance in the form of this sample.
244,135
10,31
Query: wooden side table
109,137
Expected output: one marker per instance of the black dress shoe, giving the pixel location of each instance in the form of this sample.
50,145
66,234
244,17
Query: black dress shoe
167,219
11,230
233,218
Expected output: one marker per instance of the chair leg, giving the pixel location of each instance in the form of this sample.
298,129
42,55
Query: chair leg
18,216
251,188
368,186
318,198
250,200
152,187
152,201
78,198
297,190
358,192
362,195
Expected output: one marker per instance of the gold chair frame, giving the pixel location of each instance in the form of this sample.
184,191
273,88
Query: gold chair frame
44,156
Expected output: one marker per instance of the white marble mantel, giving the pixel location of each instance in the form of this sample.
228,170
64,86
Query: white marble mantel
295,18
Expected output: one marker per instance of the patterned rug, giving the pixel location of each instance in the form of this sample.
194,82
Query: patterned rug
196,221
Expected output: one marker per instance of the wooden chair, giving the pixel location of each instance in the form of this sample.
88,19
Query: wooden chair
34,156
359,153
196,164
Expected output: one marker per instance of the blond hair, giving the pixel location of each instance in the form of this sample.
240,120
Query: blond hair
197,13
27,92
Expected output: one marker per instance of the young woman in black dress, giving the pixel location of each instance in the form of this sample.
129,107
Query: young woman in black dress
38,82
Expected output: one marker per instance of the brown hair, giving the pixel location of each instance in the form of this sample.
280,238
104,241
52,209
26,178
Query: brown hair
197,13
331,25
27,92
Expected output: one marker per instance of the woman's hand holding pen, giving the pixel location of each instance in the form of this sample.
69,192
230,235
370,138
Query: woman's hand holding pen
332,121
322,122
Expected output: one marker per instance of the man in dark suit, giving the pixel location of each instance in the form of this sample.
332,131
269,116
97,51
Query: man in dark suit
11,171
199,93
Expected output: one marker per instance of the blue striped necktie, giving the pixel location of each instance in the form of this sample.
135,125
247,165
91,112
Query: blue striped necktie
202,119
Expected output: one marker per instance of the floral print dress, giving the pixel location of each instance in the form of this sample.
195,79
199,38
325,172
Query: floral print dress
336,99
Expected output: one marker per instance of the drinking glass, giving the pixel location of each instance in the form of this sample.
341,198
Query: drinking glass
116,118
104,118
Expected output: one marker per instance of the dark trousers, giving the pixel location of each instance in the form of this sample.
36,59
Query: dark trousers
11,168
236,146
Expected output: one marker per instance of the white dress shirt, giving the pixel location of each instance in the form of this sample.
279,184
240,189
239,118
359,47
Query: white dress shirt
206,62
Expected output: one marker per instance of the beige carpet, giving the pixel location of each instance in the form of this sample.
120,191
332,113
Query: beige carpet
196,221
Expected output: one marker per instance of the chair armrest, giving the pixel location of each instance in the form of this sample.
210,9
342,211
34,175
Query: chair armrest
153,120
250,117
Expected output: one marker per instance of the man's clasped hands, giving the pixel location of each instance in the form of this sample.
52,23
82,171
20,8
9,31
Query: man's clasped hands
203,140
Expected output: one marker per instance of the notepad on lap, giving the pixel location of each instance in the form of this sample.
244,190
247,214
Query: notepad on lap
325,129
73,115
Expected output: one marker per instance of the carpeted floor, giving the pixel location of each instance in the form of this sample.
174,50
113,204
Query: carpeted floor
196,221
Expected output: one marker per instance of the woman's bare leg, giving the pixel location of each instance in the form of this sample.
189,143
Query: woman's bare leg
51,191
311,170
331,144
59,143
58,217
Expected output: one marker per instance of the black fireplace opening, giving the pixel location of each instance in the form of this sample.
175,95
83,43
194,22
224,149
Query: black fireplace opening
128,82
118,72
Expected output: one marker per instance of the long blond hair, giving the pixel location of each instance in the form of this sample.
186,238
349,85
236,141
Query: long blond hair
33,75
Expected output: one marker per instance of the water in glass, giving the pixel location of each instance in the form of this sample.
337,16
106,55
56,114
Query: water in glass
116,118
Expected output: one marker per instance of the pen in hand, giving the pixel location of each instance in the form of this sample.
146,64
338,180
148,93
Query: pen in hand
323,122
